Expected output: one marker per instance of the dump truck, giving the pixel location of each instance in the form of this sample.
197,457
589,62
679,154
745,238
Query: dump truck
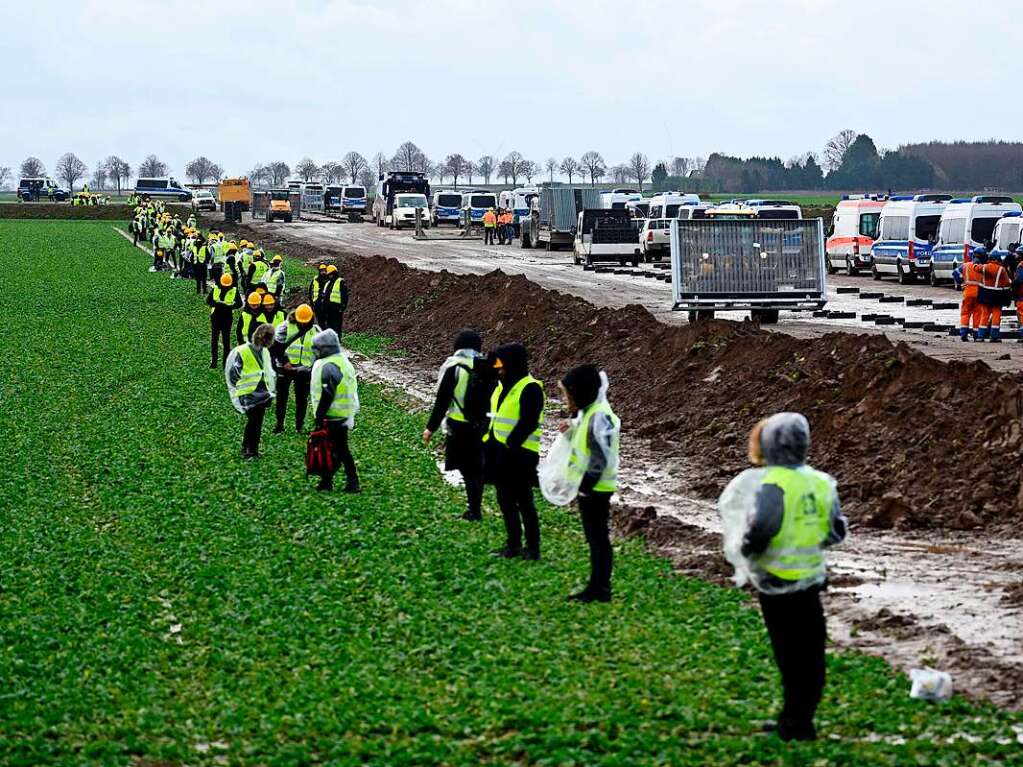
755,265
554,216
279,206
606,234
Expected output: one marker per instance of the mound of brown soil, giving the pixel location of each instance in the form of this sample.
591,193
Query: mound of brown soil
913,441
58,211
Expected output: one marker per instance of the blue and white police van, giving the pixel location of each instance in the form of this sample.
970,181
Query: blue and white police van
477,202
165,186
446,207
519,200
907,231
967,224
1008,233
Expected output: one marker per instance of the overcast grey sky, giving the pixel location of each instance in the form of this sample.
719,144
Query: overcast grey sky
258,80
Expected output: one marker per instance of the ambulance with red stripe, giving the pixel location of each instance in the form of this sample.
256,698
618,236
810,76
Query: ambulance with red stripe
854,229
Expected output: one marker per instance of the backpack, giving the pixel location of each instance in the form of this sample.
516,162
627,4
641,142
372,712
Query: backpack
477,393
319,460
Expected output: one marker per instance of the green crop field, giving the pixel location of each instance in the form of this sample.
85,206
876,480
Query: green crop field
163,601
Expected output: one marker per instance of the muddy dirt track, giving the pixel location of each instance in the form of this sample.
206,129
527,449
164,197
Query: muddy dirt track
927,453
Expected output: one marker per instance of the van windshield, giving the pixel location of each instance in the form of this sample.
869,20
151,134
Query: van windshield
355,191
982,229
671,211
1008,235
411,201
927,227
482,201
868,224
777,215
449,200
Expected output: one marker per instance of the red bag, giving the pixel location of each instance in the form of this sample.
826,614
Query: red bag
319,458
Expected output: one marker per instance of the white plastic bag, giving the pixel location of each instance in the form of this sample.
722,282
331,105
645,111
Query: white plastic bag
736,506
930,684
555,479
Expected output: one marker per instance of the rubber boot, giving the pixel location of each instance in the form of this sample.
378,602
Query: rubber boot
964,334
996,335
981,334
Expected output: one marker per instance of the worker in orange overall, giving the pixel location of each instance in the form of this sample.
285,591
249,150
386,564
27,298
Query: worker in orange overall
969,308
489,226
1017,290
993,295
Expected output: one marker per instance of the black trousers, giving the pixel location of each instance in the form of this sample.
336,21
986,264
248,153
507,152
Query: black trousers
301,379
253,429
515,497
335,317
595,511
219,331
488,235
795,624
342,453
464,453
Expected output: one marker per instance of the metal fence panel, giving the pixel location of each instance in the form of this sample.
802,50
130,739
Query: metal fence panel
720,264
259,205
312,201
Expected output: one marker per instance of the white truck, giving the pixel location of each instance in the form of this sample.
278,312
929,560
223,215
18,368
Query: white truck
606,235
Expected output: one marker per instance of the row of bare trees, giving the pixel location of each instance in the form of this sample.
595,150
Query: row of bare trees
113,172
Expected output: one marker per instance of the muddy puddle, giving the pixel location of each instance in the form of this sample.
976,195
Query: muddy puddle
920,598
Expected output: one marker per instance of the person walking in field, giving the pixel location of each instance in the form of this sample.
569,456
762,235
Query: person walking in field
334,390
463,382
593,466
222,299
796,516
252,385
249,318
512,450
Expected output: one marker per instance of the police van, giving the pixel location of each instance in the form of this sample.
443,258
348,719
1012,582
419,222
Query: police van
36,188
967,224
477,202
853,231
666,204
1007,234
776,210
907,231
519,201
618,199
446,207
164,186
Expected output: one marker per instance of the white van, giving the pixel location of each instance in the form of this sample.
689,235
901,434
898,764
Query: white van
776,210
354,199
690,210
164,186
446,207
404,211
639,208
853,231
477,203
907,231
519,201
618,199
666,205
966,225
1008,232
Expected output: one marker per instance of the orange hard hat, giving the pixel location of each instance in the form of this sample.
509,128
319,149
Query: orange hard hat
226,280
253,300
304,313
268,299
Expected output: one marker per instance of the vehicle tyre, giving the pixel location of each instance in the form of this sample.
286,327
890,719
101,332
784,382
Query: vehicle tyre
183,198
904,277
851,270
524,241
589,259
933,279
700,315
874,273
635,260
287,218
622,262
269,217
829,267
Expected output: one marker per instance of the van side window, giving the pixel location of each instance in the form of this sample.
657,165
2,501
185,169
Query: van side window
895,228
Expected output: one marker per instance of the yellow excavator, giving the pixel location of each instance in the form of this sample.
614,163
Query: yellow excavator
280,206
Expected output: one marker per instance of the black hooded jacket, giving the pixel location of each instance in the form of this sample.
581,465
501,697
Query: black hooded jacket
515,362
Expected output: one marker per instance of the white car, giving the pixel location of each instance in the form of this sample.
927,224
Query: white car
655,238
203,199
404,212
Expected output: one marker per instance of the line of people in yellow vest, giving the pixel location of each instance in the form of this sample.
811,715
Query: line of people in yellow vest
493,413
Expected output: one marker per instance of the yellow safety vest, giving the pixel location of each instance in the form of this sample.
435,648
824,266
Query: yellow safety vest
343,405
505,416
581,453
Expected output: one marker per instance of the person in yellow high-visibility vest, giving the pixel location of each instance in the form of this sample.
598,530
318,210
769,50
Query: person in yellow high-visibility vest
489,226
293,353
334,395
796,516
252,384
593,467
512,449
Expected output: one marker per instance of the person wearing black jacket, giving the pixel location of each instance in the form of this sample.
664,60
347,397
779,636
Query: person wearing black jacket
595,442
222,299
513,449
293,358
334,391
463,450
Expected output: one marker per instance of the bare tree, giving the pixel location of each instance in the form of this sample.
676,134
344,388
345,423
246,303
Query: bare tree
529,169
152,166
332,172
260,175
117,170
353,164
32,167
99,176
455,166
217,171
514,161
380,164
200,170
307,169
550,165
409,159
279,172
680,166
837,146
440,172
486,167
594,166
620,174
5,175
639,168
368,178
570,167
471,169
69,168
699,165
504,170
